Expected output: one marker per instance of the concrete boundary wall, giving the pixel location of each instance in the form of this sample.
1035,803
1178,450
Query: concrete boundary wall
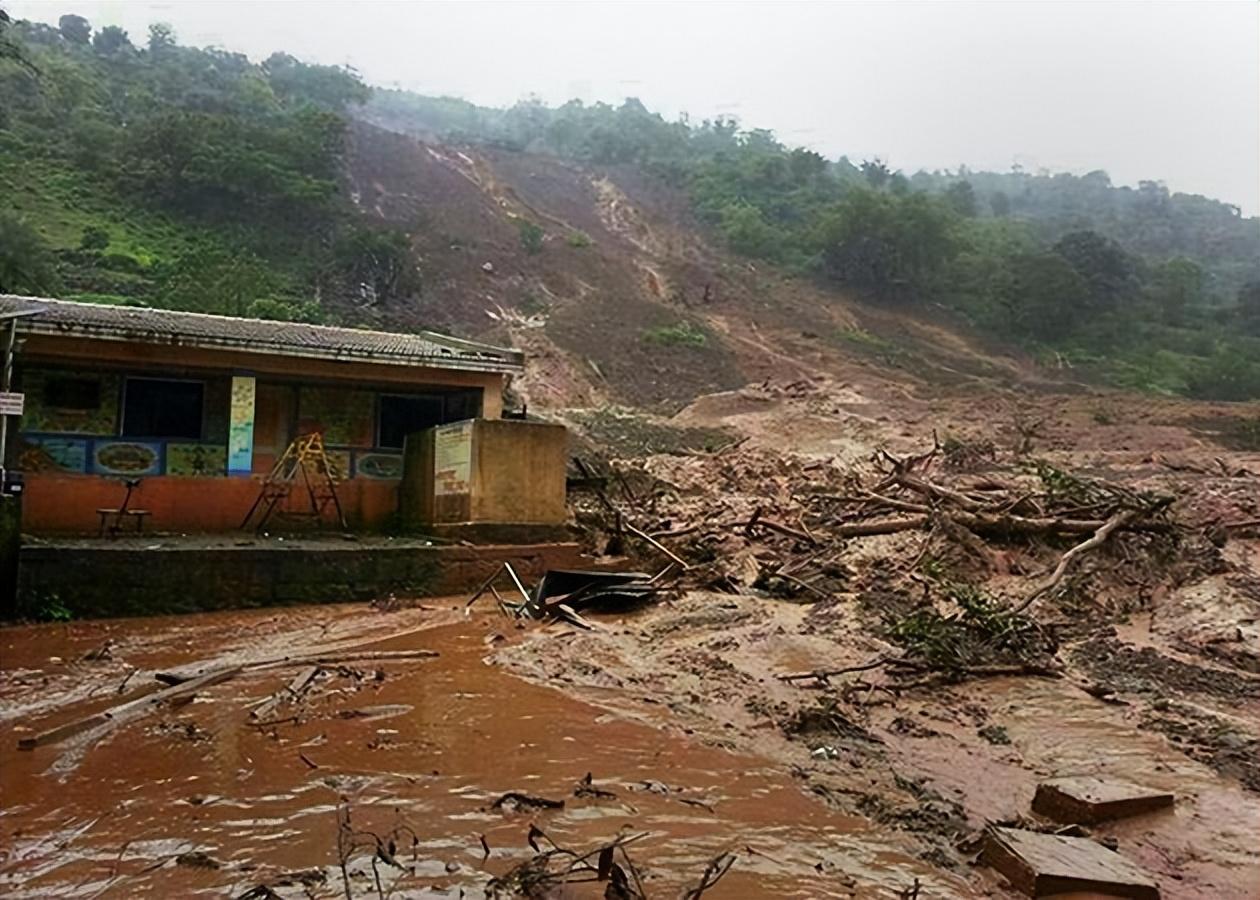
106,581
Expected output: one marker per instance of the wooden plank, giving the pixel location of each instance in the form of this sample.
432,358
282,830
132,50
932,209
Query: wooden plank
1087,800
1043,864
124,712
292,691
61,732
302,680
194,670
568,612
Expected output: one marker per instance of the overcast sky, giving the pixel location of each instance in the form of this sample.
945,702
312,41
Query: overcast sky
1165,91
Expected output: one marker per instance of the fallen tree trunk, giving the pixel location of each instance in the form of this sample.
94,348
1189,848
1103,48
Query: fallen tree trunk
1104,531
994,524
932,489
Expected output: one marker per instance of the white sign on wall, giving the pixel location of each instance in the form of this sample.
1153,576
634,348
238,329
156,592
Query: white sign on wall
452,459
12,403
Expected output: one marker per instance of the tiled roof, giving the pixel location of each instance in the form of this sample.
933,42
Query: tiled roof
164,326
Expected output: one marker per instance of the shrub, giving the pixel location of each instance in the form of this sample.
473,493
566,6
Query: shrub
683,334
122,262
26,262
1228,374
286,310
531,237
94,238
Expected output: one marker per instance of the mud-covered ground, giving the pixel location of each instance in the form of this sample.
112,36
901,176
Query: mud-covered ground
853,787
1157,642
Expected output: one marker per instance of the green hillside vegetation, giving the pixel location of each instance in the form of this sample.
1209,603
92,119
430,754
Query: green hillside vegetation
1153,290
173,176
165,175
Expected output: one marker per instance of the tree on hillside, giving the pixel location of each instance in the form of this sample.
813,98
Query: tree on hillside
329,86
961,197
999,203
876,172
26,263
110,40
1048,298
747,231
12,51
161,37
1177,288
217,280
75,29
1247,310
885,243
1102,263
376,263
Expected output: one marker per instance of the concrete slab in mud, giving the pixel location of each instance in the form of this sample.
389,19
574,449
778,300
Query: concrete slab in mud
1044,864
1089,800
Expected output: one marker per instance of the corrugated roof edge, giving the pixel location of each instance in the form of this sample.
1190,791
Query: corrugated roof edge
447,352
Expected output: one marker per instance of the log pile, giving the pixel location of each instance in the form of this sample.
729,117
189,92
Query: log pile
787,527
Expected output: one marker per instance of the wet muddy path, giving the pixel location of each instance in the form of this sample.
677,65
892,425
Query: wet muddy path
936,765
197,799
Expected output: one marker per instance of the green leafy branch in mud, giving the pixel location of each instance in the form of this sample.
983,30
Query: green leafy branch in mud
982,631
1082,494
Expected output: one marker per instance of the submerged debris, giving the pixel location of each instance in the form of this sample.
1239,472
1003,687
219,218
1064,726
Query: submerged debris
518,801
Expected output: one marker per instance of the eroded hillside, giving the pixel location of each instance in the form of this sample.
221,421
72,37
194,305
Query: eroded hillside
623,299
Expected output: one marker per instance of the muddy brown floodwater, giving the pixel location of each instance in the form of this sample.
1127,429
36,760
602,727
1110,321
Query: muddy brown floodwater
196,800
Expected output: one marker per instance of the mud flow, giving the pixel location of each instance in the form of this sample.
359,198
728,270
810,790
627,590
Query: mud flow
200,799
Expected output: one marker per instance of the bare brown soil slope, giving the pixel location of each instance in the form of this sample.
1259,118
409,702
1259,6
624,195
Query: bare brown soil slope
621,258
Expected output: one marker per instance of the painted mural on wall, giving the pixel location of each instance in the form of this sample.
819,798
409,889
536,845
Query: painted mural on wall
95,404
344,417
52,454
240,455
378,466
196,460
127,458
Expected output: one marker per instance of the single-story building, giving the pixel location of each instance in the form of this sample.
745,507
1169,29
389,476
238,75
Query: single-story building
199,408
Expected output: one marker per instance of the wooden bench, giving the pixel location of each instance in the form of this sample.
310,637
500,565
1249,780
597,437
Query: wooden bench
123,512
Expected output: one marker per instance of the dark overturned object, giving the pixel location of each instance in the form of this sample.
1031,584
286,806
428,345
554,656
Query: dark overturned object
560,592
578,589
518,801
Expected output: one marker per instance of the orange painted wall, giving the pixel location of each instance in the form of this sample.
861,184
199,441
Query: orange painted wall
62,503
67,504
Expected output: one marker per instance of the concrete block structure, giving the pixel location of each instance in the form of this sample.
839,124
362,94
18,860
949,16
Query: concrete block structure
481,472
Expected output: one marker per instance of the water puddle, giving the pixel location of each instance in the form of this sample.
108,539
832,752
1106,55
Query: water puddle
196,800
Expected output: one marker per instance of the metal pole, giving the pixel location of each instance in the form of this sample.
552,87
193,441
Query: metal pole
5,384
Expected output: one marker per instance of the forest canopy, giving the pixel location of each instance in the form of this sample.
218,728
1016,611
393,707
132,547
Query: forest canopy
150,173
